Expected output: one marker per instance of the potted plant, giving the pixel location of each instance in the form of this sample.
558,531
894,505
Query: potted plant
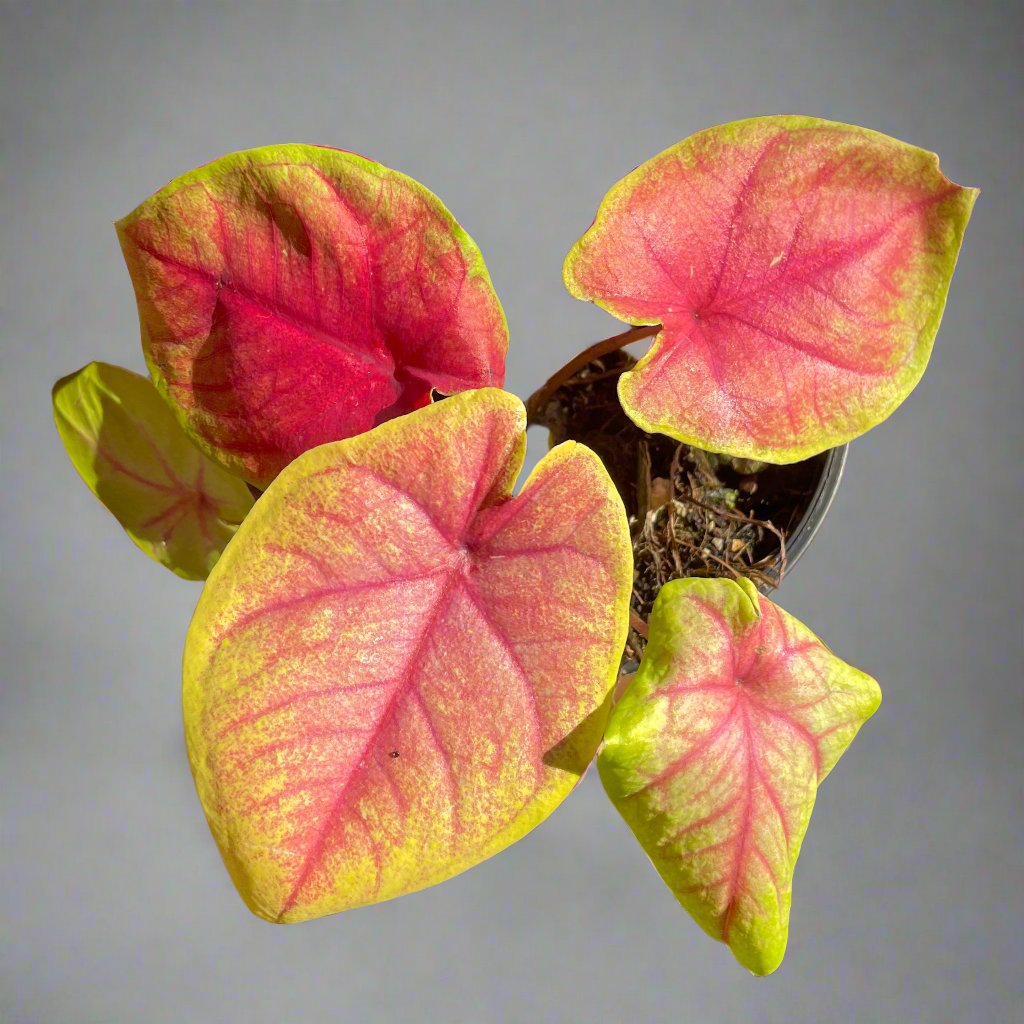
397,666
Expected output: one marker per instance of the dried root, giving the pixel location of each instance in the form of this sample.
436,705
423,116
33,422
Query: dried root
691,513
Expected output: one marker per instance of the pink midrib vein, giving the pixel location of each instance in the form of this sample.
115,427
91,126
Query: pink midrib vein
402,687
680,325
316,849
740,841
314,331
290,317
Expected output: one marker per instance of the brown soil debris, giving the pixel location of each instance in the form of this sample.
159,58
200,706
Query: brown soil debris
691,513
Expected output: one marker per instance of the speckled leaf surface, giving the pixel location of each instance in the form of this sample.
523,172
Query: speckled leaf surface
175,503
398,669
799,268
294,295
715,754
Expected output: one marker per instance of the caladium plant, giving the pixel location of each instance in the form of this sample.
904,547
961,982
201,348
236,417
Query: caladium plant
397,665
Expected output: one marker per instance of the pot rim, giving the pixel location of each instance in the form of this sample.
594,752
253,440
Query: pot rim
817,509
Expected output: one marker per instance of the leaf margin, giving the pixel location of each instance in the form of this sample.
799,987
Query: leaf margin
476,267
125,388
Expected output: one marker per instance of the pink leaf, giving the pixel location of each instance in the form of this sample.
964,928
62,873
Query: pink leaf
294,295
799,268
397,668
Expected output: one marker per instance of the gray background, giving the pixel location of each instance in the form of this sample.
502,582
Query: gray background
908,893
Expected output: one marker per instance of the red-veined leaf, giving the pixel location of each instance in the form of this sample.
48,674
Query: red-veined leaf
715,753
294,295
799,268
177,505
397,669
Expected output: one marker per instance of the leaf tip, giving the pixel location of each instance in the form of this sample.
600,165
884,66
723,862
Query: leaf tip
760,954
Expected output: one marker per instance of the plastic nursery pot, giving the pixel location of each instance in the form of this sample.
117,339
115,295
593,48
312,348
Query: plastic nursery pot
821,501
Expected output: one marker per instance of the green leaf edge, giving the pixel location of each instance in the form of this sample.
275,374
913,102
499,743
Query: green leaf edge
760,962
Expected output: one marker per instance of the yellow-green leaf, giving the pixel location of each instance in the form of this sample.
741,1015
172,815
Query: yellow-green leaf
715,754
174,502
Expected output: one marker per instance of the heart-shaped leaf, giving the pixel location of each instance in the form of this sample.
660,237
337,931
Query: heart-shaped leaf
799,268
176,504
715,753
397,669
294,295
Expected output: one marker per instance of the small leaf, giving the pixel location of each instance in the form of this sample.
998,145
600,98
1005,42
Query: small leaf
294,295
715,753
799,268
176,504
397,669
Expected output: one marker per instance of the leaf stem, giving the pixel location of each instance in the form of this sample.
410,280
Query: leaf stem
537,402
622,684
638,623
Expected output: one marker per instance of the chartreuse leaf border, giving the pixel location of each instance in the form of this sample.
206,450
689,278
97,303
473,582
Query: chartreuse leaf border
798,268
293,295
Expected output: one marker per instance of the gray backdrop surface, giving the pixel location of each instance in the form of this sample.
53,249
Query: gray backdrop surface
908,893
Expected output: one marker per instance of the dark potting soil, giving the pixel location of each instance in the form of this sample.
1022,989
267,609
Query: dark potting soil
691,513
